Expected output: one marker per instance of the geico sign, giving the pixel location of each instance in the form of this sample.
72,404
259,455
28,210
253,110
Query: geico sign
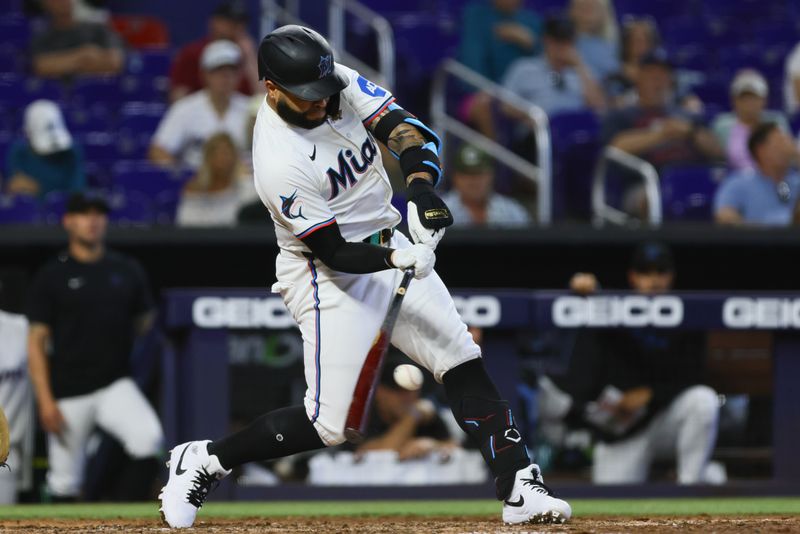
240,312
479,310
742,312
631,311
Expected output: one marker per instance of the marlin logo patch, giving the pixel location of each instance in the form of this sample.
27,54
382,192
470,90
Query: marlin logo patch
288,203
325,65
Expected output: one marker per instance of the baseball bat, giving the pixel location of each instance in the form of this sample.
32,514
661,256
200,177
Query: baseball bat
358,414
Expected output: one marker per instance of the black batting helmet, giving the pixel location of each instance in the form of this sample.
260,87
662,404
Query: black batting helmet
300,61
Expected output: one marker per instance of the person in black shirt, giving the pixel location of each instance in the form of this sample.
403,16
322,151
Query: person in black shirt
641,391
85,309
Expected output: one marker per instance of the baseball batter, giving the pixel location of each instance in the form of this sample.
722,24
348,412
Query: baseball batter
319,171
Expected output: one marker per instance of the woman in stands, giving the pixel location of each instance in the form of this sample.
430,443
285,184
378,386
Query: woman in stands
218,190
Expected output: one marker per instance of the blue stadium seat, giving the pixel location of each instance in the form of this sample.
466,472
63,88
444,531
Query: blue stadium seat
149,63
102,93
54,205
146,178
687,193
15,29
166,206
20,91
573,172
138,122
570,127
144,88
130,208
99,147
18,209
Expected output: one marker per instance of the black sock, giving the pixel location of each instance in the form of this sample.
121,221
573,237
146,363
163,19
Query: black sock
487,419
278,433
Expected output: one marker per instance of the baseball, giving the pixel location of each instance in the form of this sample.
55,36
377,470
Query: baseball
408,377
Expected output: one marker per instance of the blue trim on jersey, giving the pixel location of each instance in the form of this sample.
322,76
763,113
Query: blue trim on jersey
383,106
491,446
317,367
310,230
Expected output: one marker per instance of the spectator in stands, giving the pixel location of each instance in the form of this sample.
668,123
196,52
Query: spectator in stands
749,92
494,34
559,80
791,82
597,36
769,195
641,391
229,22
401,420
190,121
639,37
69,48
85,309
473,201
47,159
655,129
215,195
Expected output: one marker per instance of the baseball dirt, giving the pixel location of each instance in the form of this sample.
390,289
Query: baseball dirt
399,524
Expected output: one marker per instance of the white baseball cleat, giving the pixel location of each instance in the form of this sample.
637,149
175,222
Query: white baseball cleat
192,474
531,501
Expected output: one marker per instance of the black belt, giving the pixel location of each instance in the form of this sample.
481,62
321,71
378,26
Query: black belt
381,237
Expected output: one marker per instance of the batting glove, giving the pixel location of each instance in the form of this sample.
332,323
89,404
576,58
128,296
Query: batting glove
420,257
428,215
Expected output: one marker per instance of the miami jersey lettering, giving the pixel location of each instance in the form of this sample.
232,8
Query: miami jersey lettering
310,178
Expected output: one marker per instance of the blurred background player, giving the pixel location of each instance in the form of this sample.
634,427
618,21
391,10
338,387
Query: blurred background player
89,304
16,398
641,391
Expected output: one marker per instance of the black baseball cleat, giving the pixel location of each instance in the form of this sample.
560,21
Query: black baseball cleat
531,501
193,473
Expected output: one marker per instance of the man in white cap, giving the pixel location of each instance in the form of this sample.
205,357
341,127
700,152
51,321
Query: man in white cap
47,159
749,91
194,118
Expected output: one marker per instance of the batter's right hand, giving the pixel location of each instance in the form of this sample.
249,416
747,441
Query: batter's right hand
420,257
50,415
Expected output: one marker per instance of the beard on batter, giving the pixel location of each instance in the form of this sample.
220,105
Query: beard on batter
297,118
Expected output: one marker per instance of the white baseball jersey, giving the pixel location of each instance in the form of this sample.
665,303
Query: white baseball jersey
16,399
310,178
15,388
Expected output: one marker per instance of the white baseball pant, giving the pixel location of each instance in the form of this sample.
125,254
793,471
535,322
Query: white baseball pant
120,409
686,430
340,315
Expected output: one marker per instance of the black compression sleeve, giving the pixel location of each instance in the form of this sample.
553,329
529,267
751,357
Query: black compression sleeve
328,245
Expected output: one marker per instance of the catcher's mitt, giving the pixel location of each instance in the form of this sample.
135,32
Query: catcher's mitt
4,439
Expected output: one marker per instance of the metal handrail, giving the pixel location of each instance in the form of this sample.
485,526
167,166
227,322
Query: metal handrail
443,123
380,25
273,13
604,212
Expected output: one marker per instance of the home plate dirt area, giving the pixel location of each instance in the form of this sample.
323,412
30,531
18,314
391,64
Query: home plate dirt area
399,524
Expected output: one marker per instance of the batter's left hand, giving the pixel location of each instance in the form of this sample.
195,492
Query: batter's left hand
428,215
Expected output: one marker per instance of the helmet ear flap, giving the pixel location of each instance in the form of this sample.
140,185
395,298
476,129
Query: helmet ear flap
333,108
